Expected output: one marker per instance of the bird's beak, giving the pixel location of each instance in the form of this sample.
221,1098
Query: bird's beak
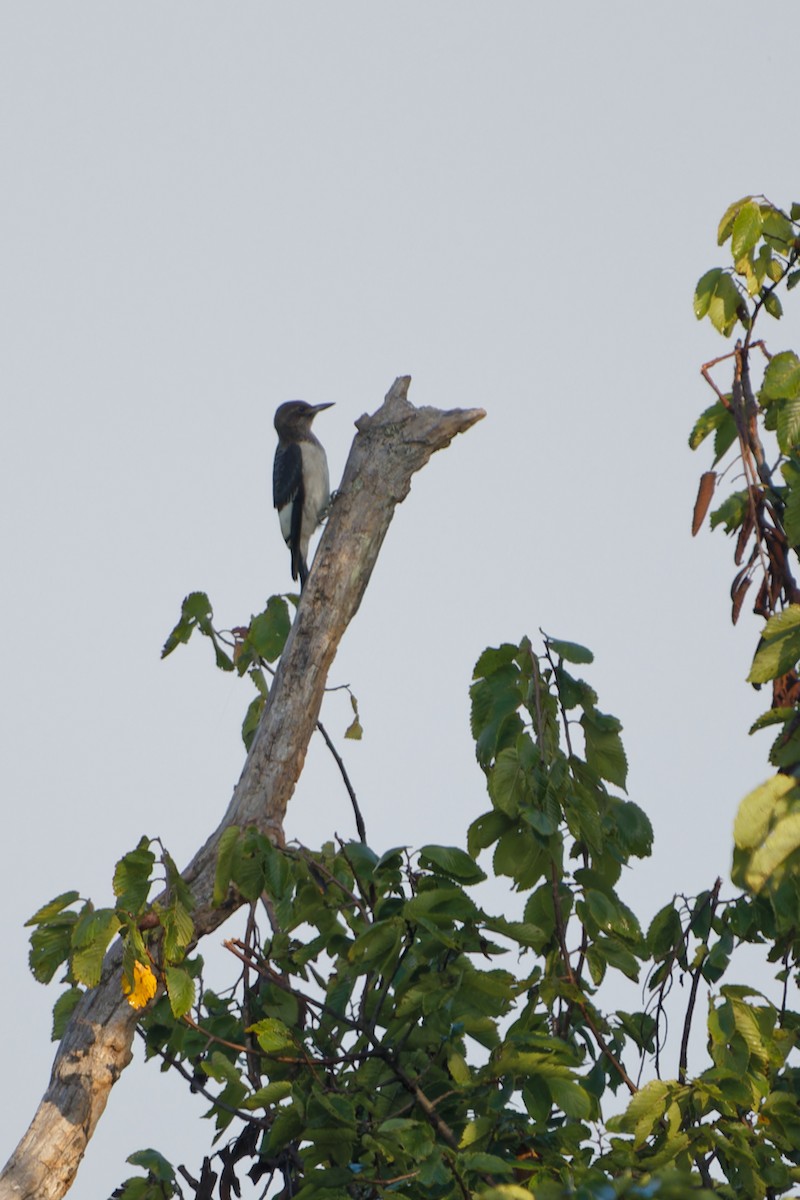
319,407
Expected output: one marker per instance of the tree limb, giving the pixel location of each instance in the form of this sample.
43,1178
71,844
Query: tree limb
390,446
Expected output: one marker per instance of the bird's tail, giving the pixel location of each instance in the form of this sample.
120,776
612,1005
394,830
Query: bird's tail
299,567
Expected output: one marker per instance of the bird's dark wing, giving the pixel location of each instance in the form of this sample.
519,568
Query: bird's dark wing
287,474
289,496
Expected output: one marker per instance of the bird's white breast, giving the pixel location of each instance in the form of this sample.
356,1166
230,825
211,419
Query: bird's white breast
317,485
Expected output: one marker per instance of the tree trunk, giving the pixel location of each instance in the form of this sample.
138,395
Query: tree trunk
389,447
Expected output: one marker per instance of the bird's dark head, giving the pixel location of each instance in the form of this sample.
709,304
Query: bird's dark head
295,417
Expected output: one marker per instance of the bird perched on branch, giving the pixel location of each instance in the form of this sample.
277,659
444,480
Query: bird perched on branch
300,482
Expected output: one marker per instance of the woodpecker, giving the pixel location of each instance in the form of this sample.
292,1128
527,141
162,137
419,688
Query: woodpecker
300,482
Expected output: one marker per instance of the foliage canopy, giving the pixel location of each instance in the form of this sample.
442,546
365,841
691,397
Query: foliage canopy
387,1030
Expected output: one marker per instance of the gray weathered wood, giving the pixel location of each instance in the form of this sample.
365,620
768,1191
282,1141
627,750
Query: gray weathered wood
390,446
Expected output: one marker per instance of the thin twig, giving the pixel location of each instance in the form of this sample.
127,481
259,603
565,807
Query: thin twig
268,972
253,1065
564,719
687,1024
360,826
198,1086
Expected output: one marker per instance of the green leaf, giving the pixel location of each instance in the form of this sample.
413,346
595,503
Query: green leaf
225,857
640,1027
746,230
607,916
178,931
777,231
522,932
440,906
486,829
570,651
545,823
782,377
725,228
726,435
665,933
708,421
644,1110
634,828
220,1068
63,1010
731,512
453,862
223,660
773,716
268,1096
458,1068
604,751
780,646
704,292
725,305
496,695
505,1191
154,1163
571,1098
781,843
195,610
378,946
752,271
519,854
251,720
509,782
761,810
269,630
273,1036
180,989
132,877
91,936
573,693
248,870
788,424
617,956
716,963
287,1126
791,512
540,912
51,944
486,1164
52,908
773,305
139,1187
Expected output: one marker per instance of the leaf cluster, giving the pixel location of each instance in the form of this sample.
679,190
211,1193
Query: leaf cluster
757,427
388,1030
72,933
244,649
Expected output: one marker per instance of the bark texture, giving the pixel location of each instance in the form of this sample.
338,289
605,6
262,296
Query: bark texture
389,447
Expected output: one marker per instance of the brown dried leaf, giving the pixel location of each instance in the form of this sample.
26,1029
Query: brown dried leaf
708,481
744,535
738,596
761,607
775,587
786,691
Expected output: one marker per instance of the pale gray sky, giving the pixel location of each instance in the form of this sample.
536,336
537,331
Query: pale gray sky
209,209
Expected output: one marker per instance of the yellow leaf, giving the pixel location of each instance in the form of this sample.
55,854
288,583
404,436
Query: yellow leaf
144,986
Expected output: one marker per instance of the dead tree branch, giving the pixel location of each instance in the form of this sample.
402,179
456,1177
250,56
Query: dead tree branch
390,446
